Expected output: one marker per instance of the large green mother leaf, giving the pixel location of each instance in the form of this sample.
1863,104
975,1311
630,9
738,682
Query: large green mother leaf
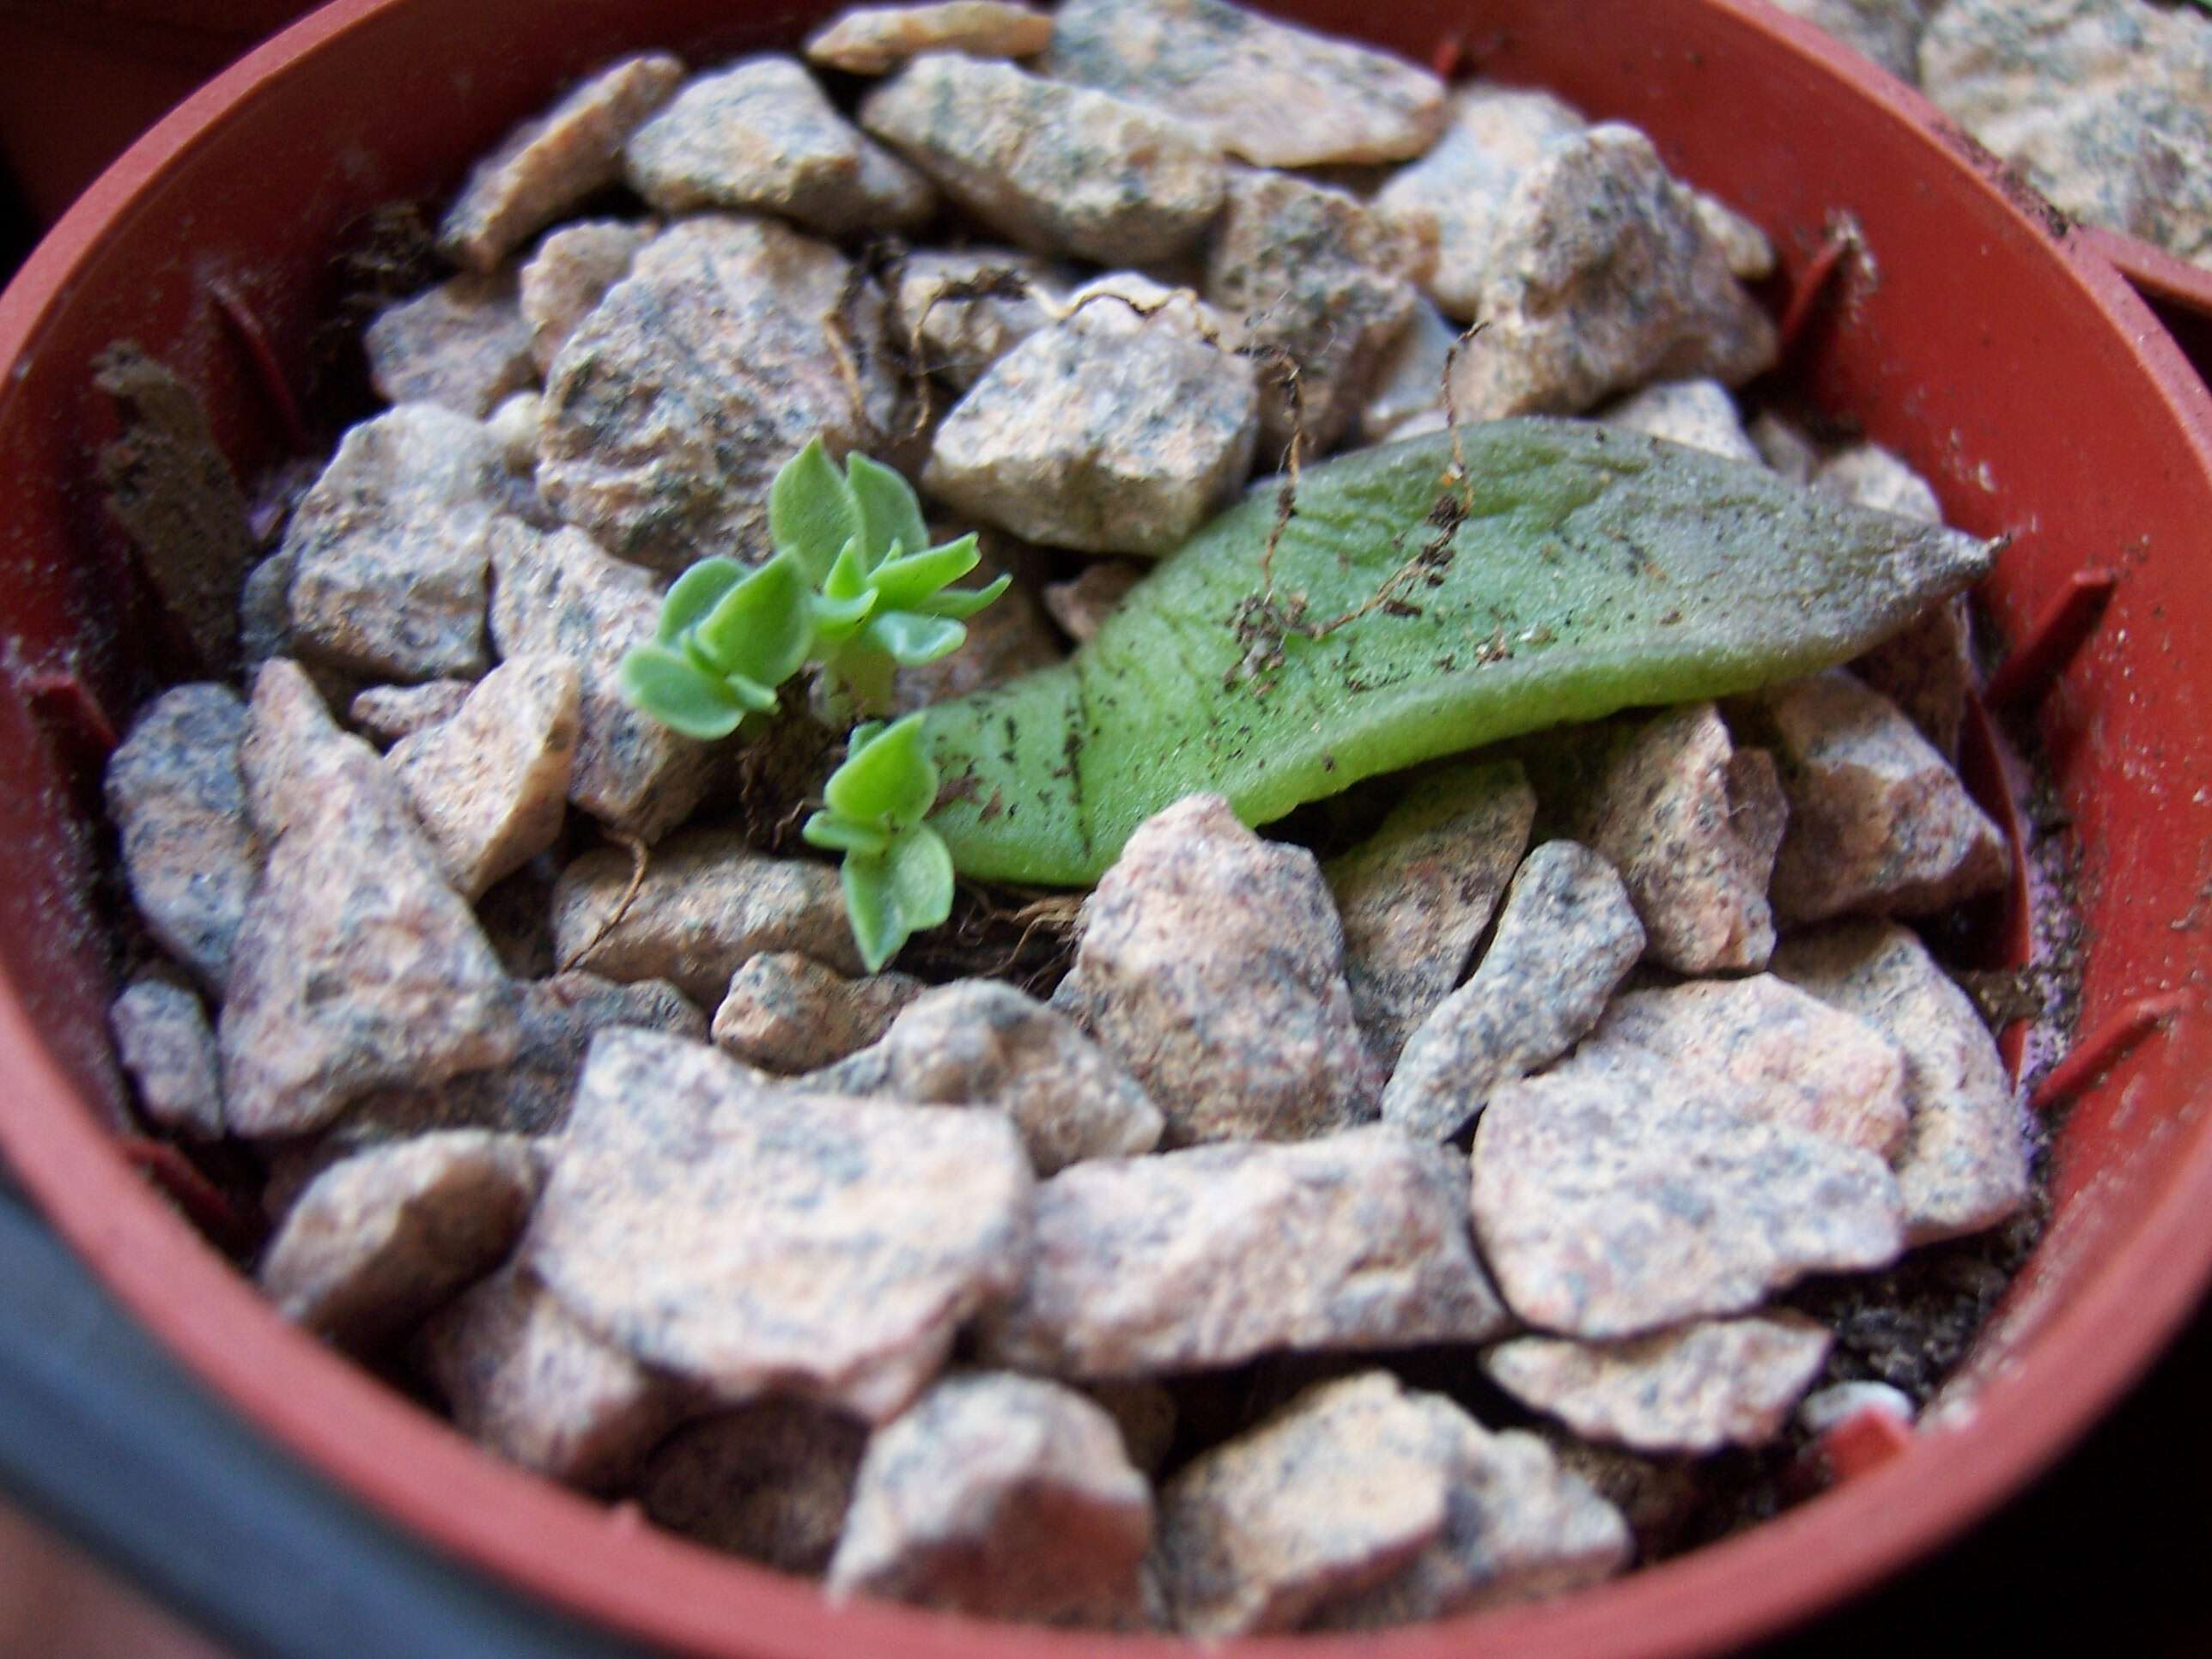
1576,570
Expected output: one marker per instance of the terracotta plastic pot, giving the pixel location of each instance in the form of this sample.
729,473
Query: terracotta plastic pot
2006,358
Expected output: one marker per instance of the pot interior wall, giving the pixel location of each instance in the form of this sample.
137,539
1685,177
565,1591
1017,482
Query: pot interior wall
1960,336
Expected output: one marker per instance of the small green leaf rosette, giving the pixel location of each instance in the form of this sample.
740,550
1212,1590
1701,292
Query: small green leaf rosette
897,872
881,589
727,638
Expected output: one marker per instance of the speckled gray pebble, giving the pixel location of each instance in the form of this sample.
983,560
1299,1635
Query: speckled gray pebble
385,713
1453,194
1566,936
673,404
1338,1490
1601,277
1698,414
382,1239
1309,271
489,786
1408,387
390,548
1518,1527
1879,824
760,136
178,799
754,1239
357,965
770,1481
1607,1208
1055,168
1267,91
552,162
980,1042
1692,823
522,1378
1928,670
560,595
569,272
1827,1072
1416,895
1359,1506
163,1040
708,905
1695,1388
874,40
786,1012
1209,1256
2104,105
1963,1163
555,1019
462,345
1211,966
1870,476
1109,432
1004,1497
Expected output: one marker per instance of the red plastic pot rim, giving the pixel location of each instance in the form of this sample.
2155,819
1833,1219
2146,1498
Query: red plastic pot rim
605,1564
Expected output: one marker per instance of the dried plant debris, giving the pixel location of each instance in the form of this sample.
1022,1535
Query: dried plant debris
171,489
1091,1272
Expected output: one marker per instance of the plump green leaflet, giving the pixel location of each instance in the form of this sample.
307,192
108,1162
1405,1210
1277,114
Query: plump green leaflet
1576,570
897,875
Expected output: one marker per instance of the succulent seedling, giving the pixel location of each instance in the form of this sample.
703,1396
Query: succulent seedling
883,598
897,873
853,587
727,638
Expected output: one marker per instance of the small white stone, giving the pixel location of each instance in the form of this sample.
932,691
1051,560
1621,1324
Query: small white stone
162,1036
753,1240
1566,937
522,1378
786,1012
489,786
708,904
1056,168
379,1240
1001,1496
1696,1389
1601,277
1824,1408
462,345
1269,91
1416,894
1963,1163
1699,414
979,1042
1211,966
1692,823
1870,476
1206,1257
761,136
560,595
177,798
875,40
567,275
1879,824
1608,1207
1454,193
391,548
1827,1072
549,164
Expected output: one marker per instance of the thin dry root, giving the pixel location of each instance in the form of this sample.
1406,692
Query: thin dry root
640,859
